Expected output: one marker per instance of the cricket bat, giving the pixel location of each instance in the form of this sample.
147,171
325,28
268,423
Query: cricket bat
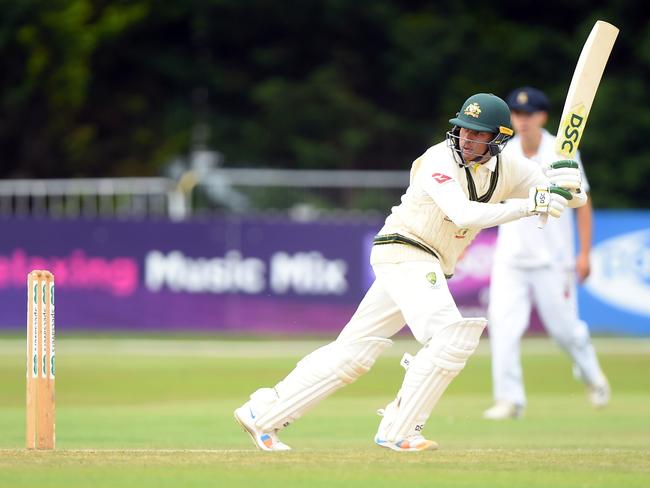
582,91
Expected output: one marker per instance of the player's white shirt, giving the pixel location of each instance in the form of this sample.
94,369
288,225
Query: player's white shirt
438,211
520,243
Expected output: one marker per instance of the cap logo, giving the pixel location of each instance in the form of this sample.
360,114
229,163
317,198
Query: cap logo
473,110
522,98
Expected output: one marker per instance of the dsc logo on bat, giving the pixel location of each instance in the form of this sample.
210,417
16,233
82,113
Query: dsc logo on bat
573,124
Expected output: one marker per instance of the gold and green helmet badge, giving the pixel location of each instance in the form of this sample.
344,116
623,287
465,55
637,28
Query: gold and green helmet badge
473,110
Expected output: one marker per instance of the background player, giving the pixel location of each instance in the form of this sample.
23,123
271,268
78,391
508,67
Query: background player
455,190
540,267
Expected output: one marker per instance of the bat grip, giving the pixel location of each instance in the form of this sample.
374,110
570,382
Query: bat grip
542,220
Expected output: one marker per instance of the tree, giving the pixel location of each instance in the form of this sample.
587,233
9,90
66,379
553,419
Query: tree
106,87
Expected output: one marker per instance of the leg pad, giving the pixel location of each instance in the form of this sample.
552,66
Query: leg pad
315,377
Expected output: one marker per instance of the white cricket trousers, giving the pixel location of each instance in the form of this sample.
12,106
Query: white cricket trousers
413,293
513,290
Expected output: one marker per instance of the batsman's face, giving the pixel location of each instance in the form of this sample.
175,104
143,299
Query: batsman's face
474,145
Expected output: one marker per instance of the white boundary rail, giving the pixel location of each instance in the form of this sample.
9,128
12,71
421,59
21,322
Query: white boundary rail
92,197
167,198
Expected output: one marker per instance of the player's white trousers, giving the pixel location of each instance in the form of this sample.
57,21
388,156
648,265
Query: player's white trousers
412,292
513,290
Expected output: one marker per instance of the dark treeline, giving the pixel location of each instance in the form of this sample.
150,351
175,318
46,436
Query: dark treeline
97,88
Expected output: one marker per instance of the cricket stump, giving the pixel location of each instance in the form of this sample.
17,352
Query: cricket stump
40,426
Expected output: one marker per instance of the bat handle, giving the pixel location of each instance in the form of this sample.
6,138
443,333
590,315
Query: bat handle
542,220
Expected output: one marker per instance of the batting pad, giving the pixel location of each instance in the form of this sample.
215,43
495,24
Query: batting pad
315,377
427,377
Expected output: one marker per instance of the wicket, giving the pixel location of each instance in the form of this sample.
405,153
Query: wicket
40,432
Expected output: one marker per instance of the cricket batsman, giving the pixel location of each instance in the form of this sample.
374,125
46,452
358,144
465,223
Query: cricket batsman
457,187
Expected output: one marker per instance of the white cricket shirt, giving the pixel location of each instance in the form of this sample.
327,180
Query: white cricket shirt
438,212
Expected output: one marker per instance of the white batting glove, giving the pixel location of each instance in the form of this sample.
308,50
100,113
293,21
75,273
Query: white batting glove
565,174
551,200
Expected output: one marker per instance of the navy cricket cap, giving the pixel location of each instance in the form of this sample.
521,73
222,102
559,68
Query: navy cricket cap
528,99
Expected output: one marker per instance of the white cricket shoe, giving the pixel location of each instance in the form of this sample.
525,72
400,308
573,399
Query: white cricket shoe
599,395
266,441
503,410
415,442
410,444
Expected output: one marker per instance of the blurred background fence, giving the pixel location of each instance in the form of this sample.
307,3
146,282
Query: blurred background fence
299,194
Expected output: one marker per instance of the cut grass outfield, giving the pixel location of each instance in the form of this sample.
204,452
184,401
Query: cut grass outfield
158,413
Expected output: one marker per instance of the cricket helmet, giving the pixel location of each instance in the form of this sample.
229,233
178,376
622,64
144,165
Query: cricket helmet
483,112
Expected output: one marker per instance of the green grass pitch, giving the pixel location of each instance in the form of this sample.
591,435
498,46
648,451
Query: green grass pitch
147,412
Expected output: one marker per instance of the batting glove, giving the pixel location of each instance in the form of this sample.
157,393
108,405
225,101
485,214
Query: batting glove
565,174
551,200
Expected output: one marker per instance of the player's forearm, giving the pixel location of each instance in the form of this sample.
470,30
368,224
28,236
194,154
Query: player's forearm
468,214
584,222
475,215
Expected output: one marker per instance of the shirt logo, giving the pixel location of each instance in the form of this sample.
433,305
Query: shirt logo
473,110
441,178
432,278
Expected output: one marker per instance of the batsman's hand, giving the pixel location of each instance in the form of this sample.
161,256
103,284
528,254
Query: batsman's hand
551,200
565,174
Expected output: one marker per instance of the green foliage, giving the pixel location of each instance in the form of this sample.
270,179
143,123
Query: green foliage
115,87
319,121
48,50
